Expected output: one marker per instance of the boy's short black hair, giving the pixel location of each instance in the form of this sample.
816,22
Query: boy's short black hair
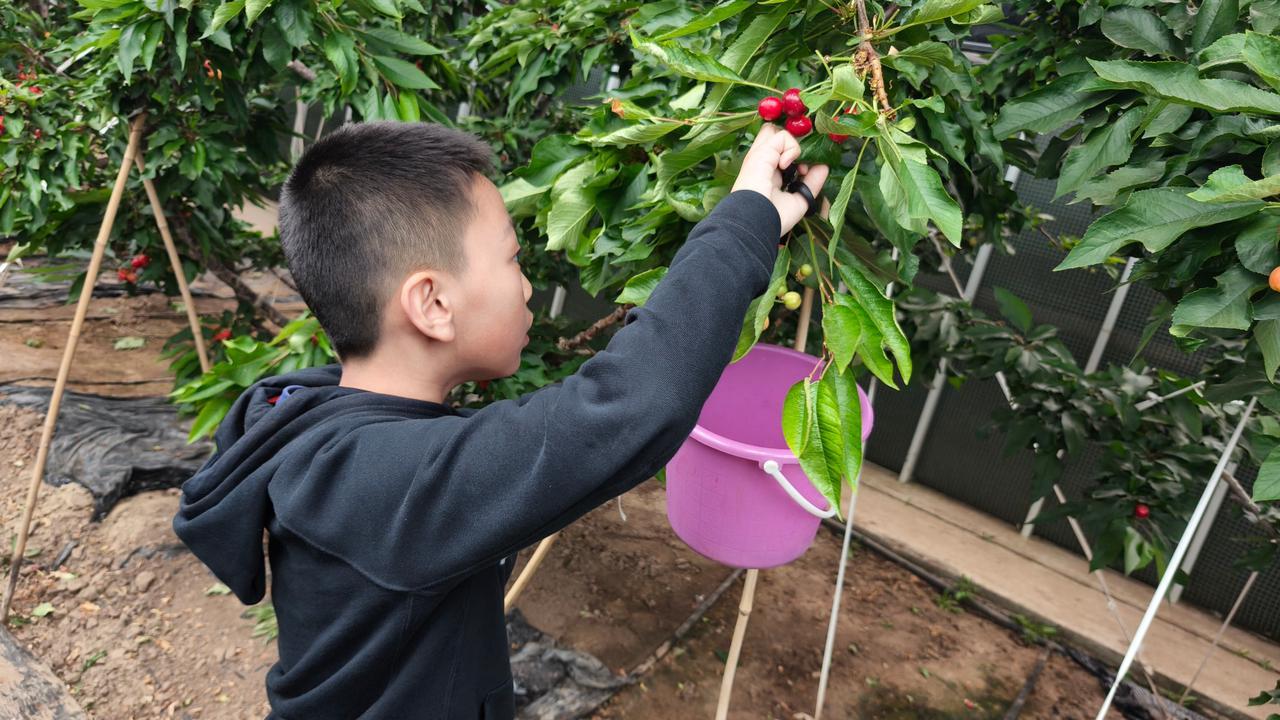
366,205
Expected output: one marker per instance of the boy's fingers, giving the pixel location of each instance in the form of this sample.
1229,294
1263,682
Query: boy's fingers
815,178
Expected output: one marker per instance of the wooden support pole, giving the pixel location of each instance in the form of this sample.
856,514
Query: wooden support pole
157,209
735,647
753,575
73,339
526,574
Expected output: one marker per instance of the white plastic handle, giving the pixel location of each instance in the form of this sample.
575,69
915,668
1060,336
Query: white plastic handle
772,468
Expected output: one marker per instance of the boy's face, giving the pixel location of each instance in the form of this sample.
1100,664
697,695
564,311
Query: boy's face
492,317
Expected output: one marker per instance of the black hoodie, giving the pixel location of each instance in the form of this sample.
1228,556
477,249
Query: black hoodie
391,522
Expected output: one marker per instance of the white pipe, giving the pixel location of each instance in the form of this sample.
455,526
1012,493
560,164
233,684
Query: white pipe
1202,534
1175,562
557,301
299,126
939,379
835,599
1109,321
825,675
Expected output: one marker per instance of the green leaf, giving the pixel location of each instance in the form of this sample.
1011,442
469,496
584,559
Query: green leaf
386,7
1230,184
1138,29
129,342
217,589
638,134
915,188
275,50
572,206
1105,189
795,417
721,137
1262,54
1014,310
684,62
846,85
879,310
339,48
639,287
849,405
706,19
1048,108
935,10
130,46
841,333
402,42
1224,306
155,31
403,73
208,418
1256,244
1154,218
742,48
1226,50
758,310
841,204
407,107
1108,145
1180,83
822,456
1267,334
42,610
1214,19
223,15
1169,118
1266,488
254,8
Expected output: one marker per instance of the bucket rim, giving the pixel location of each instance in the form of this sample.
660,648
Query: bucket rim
749,451
760,453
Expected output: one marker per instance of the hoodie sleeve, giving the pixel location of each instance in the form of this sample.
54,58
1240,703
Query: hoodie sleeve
486,485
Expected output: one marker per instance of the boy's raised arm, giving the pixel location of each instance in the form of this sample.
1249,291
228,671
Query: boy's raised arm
517,471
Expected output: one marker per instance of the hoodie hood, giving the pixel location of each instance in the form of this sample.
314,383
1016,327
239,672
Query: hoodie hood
225,506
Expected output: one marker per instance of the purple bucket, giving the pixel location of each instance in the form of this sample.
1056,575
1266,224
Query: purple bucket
735,491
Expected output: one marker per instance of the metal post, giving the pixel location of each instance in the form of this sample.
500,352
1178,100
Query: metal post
939,379
1175,562
1202,534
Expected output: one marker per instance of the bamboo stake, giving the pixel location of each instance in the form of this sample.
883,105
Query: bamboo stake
73,339
735,648
753,575
526,574
175,262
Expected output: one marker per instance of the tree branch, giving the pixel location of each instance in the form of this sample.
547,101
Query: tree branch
586,336
867,60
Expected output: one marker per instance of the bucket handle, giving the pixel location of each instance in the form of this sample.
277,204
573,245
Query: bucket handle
775,470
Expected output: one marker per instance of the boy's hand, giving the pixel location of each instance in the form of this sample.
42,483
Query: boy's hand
772,152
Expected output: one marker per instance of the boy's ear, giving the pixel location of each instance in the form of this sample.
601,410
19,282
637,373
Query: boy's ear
427,306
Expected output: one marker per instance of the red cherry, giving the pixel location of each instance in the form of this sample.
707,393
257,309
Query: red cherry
35,90
1141,511
37,134
222,334
836,138
130,277
140,261
792,103
482,385
799,126
770,108
122,275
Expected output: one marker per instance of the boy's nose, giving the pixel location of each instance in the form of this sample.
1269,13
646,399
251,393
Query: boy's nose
528,287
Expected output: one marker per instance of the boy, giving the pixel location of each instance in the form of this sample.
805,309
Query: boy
392,518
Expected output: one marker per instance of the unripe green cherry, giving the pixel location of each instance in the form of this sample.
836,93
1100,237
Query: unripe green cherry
791,300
